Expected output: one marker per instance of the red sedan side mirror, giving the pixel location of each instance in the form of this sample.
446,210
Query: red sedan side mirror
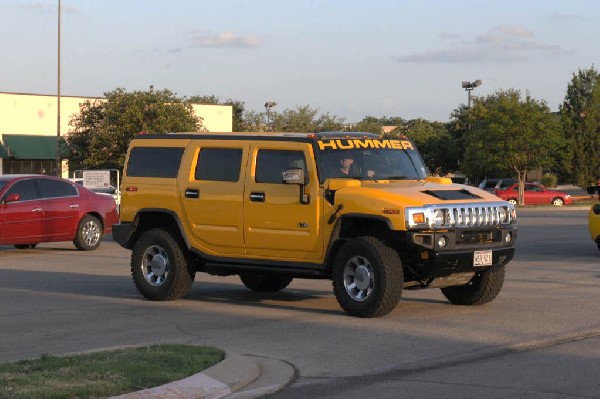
12,198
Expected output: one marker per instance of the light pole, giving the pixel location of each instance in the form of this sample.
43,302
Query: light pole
469,86
268,106
58,160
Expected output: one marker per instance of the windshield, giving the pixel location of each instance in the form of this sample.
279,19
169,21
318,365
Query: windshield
371,159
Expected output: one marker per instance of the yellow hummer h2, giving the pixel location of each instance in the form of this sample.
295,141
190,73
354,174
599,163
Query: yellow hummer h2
351,207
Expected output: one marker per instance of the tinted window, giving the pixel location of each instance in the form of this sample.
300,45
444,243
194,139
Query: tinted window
220,164
56,188
26,189
154,161
271,163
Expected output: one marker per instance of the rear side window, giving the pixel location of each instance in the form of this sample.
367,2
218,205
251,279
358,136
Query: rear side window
56,188
154,161
219,164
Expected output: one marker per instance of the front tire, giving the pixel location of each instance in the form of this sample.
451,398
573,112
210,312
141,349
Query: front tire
558,201
482,288
264,282
160,267
89,233
367,277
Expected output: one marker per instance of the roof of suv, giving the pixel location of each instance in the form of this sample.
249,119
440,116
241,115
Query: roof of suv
261,135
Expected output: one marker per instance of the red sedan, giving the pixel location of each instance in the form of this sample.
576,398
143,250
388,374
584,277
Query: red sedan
40,208
534,194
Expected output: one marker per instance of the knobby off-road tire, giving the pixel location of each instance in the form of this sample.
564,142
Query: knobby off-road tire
89,233
367,277
482,288
264,282
160,267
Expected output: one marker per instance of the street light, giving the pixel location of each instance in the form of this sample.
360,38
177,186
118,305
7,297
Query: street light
268,106
469,86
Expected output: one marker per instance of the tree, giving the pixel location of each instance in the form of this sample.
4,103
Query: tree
437,147
580,116
507,132
237,108
375,125
302,119
101,132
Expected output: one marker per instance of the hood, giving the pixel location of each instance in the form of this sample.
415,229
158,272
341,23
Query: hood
413,193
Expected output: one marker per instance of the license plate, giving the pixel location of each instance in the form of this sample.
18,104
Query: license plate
482,258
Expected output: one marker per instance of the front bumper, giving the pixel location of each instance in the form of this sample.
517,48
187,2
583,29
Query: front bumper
425,259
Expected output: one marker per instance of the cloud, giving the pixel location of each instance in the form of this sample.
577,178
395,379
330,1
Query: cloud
558,16
225,40
39,7
500,44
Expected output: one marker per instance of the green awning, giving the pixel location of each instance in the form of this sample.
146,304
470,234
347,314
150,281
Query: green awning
28,146
3,153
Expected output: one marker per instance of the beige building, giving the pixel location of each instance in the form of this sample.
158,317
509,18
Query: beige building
28,128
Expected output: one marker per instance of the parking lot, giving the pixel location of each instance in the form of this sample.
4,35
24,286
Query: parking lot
59,300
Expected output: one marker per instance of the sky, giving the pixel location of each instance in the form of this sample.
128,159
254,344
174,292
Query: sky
347,58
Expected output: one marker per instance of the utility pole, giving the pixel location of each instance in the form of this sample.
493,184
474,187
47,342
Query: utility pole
58,160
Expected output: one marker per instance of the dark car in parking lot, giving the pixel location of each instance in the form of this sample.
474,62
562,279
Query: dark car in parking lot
490,185
40,208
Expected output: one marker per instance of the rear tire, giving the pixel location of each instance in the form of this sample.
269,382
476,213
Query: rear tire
89,233
160,267
482,288
265,282
367,277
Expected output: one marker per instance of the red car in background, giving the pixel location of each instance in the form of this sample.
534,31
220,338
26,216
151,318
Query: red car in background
534,194
40,208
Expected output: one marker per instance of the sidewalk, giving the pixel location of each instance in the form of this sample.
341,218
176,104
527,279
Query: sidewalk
238,376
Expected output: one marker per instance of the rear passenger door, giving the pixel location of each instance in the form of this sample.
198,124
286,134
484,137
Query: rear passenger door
212,198
277,225
60,200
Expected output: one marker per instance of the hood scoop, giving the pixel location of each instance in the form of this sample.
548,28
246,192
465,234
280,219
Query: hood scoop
450,195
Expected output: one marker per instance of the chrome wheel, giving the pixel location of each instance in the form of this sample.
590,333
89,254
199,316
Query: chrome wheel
91,233
512,201
359,278
155,265
557,202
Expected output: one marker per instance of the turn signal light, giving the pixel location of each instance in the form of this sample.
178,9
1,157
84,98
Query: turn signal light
419,217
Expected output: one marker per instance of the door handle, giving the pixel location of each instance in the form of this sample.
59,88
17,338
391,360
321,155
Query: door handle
257,197
36,210
73,206
192,193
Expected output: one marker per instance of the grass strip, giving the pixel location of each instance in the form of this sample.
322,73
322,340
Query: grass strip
103,374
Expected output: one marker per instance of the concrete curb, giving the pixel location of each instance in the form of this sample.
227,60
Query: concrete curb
224,378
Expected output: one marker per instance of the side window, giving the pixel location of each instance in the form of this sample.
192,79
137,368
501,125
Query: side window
154,161
26,189
219,164
271,163
56,188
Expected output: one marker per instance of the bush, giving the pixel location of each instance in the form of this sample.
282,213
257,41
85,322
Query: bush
549,180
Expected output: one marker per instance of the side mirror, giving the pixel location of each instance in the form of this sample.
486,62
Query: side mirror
296,176
12,198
